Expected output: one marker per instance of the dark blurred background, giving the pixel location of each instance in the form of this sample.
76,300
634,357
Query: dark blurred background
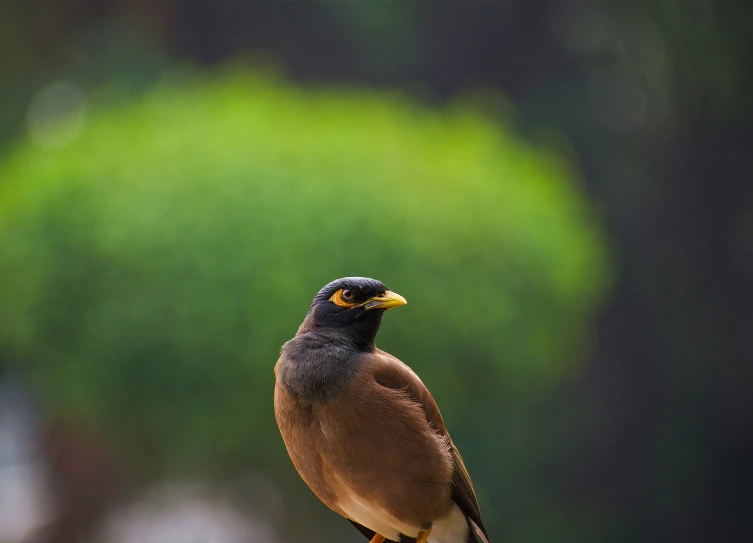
177,179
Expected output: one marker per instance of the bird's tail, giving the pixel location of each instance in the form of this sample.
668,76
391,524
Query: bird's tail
476,533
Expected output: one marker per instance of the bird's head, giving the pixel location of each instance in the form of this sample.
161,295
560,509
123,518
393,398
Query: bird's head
351,306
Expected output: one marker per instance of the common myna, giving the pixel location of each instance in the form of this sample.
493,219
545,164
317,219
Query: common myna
363,431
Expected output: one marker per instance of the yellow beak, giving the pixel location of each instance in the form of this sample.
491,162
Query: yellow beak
388,300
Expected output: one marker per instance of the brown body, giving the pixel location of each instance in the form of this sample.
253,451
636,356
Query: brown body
394,458
362,429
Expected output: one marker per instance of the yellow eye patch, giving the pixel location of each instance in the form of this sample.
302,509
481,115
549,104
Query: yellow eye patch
338,299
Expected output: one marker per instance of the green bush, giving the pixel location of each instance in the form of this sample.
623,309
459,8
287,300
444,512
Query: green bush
151,269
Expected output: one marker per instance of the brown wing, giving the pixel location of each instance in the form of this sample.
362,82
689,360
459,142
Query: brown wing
392,373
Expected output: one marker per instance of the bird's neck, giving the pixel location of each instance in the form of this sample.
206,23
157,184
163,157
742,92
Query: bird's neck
318,366
361,333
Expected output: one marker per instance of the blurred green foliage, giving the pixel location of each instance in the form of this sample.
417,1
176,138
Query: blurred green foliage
151,269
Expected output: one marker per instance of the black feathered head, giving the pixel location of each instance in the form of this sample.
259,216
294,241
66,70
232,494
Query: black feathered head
352,307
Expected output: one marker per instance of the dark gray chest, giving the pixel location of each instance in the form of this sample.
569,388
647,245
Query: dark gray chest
317,369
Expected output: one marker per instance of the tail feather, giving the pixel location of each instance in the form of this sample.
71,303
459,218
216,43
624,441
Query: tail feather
476,530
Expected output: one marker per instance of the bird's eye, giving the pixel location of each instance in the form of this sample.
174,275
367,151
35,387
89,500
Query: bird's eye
344,298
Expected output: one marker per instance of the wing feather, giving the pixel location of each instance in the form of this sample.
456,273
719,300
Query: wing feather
393,373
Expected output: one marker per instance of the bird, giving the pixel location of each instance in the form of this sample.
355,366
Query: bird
362,429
